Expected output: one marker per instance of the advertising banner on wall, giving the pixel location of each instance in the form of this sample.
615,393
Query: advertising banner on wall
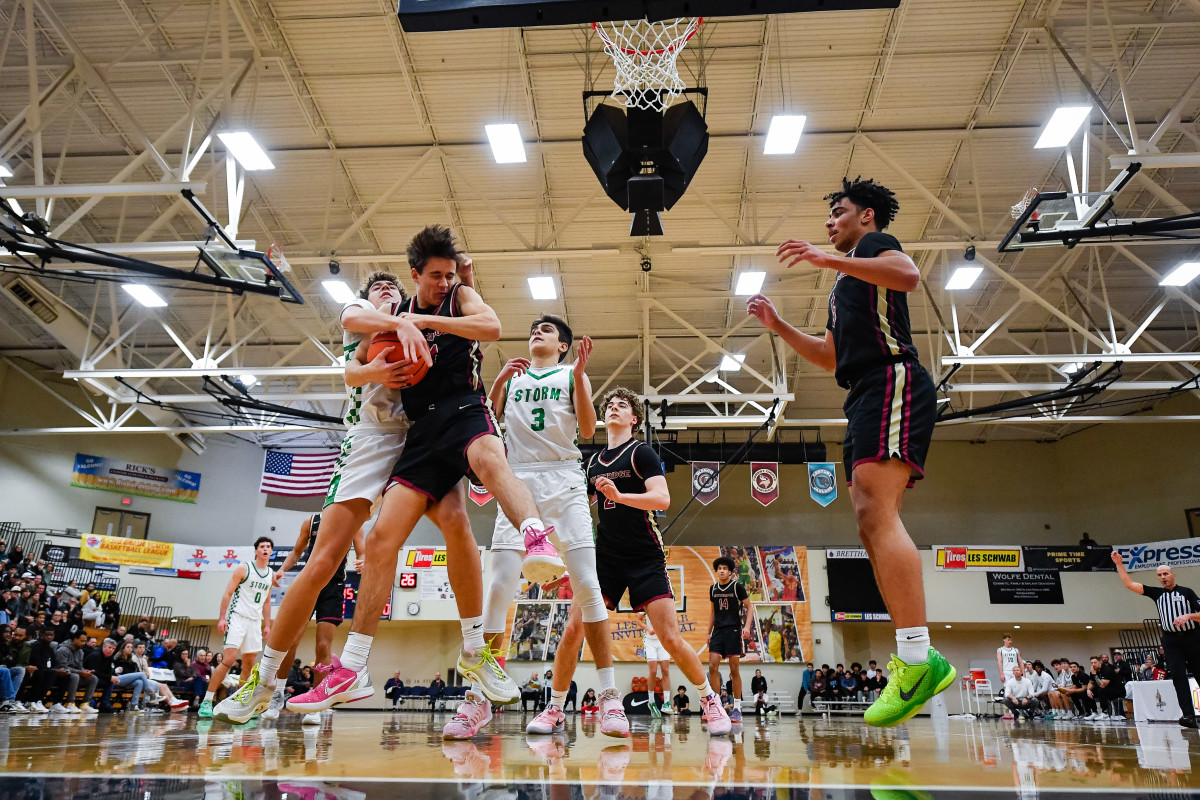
706,481
1173,553
131,552
194,558
1025,588
994,559
126,477
1068,559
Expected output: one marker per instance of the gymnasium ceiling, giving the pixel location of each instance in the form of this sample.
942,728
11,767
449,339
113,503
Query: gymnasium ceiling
375,132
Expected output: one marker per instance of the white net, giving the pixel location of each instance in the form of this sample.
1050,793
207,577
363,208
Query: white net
1019,208
644,54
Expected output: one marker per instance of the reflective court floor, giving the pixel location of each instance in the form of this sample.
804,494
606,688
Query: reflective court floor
357,755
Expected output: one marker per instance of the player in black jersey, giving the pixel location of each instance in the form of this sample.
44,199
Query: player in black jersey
726,631
890,414
628,482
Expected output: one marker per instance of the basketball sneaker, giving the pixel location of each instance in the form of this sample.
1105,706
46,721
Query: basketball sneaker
206,709
735,715
655,710
246,703
278,698
311,719
715,716
666,709
909,687
473,713
613,721
341,685
467,760
484,669
541,563
549,721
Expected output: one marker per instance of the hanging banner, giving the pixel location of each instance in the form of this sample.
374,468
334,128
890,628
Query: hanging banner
764,481
1025,588
480,495
822,482
131,552
1039,558
706,482
125,477
1173,553
193,558
996,559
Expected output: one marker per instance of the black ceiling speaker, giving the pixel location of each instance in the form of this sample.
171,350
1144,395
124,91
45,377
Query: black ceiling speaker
606,148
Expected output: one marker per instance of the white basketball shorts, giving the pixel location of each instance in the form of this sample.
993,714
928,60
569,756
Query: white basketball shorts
560,490
244,634
655,651
364,465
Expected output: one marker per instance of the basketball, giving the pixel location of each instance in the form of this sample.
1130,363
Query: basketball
413,372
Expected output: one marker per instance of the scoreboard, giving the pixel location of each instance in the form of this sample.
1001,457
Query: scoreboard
350,598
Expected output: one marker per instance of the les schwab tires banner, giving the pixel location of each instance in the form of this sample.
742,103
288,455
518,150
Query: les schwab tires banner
989,559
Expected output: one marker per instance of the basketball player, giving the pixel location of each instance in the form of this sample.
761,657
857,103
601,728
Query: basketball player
453,432
328,610
659,662
890,412
1007,657
546,407
376,425
726,631
629,481
245,617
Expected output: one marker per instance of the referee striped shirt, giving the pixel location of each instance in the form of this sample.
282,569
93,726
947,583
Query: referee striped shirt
1173,603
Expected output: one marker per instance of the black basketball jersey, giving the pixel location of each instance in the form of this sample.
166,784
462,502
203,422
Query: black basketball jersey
313,524
457,361
626,531
870,324
727,603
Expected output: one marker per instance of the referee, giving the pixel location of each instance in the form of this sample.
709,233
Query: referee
1178,613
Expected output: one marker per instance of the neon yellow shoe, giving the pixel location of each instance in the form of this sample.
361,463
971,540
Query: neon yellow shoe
909,687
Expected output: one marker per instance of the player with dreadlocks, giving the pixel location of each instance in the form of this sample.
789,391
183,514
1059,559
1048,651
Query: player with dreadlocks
889,411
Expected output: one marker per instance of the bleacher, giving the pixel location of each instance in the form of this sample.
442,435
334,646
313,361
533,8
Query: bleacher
785,703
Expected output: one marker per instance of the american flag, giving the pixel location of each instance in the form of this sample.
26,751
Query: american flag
298,474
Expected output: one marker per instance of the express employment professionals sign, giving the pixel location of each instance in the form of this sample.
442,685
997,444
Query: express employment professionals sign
1173,553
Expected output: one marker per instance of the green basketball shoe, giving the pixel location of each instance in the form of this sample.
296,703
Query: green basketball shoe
909,687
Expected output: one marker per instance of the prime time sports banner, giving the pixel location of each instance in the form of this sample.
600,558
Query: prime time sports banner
126,477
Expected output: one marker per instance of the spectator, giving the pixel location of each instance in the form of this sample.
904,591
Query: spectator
1043,686
820,686
1103,690
726,701
100,662
835,683
129,677
572,697
90,647
806,680
1123,669
873,681
1060,678
201,670
591,704
1082,702
183,668
531,692
1018,694
850,683
72,590
1151,671
141,631
679,702
10,674
154,689
758,683
762,705
44,676
547,680
437,687
112,613
393,688
300,682
69,657
1087,541
16,556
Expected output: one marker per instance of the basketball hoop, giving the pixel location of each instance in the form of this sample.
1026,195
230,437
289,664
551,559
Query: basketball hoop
644,54
1019,208
275,256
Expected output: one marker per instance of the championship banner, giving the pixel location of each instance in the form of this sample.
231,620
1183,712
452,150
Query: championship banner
764,481
994,559
822,482
1173,553
1040,558
193,558
706,481
131,552
126,477
480,495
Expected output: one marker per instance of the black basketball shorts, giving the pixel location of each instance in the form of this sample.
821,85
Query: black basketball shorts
434,459
329,601
726,641
890,413
645,578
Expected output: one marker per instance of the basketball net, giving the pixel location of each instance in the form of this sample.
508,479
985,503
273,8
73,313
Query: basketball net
276,257
644,54
1019,209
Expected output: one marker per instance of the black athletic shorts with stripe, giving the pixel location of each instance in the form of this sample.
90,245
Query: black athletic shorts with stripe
645,579
330,601
434,459
726,642
890,413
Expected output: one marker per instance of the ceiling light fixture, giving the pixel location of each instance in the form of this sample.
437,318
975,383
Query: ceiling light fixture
749,282
541,287
246,150
1062,126
783,137
507,147
339,291
1072,368
5,171
144,295
732,363
963,278
247,380
1182,275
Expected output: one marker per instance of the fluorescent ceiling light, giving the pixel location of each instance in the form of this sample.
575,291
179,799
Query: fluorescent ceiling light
339,291
1062,126
144,295
783,137
963,278
541,287
247,380
507,146
1182,275
749,282
247,151
1072,368
733,364
5,172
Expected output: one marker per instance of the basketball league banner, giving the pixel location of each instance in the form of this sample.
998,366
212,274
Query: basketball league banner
706,481
126,477
764,481
822,482
131,552
480,495
993,559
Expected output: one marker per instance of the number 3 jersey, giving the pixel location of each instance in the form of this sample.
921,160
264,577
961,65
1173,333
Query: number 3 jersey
540,421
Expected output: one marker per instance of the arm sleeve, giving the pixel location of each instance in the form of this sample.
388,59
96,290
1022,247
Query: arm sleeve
742,594
875,243
646,462
1155,592
1193,600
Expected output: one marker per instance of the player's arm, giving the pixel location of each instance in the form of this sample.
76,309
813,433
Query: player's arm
1123,574
819,350
359,319
499,393
889,269
266,627
749,626
478,321
360,371
360,547
297,550
999,663
585,412
465,271
239,574
657,496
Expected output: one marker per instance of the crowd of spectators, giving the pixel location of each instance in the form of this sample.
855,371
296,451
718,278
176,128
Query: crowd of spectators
1091,692
839,684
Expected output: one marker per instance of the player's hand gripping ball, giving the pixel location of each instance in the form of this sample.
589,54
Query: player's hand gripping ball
408,373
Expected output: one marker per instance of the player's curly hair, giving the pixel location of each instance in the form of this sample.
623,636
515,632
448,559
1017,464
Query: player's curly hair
629,396
434,241
868,194
564,331
365,288
724,561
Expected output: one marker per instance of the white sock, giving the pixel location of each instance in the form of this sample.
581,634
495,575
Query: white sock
357,651
534,522
912,645
210,696
268,665
558,699
608,678
472,632
703,688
